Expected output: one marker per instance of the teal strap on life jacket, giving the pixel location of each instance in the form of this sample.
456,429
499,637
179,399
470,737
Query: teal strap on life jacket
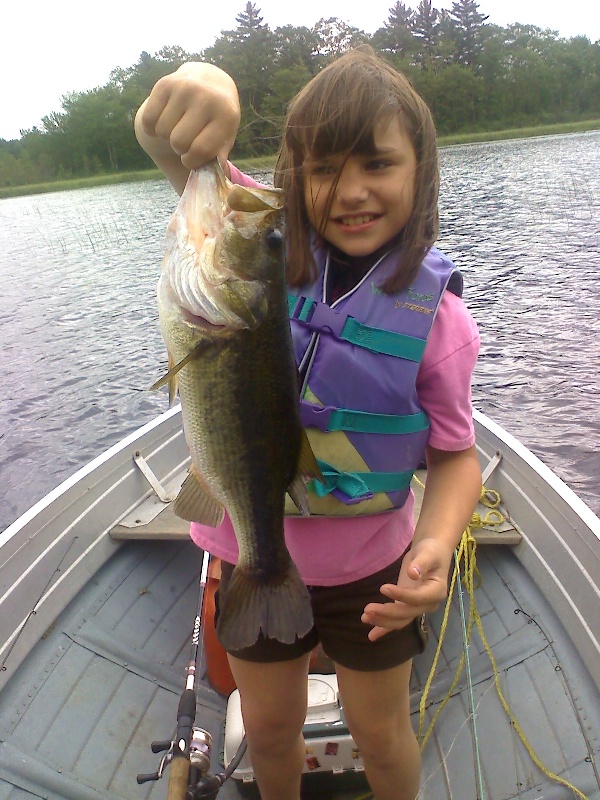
381,341
303,311
329,418
358,485
321,317
343,419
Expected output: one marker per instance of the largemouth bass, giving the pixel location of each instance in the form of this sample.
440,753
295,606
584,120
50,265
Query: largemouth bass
223,314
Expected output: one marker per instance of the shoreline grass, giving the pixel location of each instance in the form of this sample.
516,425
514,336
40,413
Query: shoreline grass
552,129
267,162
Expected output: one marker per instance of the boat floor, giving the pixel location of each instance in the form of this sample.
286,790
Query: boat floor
77,719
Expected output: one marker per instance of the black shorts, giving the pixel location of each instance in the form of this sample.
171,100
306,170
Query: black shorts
337,612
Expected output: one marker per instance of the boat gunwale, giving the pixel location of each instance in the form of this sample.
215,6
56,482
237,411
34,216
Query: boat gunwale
49,553
560,545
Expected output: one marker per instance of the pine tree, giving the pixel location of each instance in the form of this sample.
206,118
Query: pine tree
395,36
425,27
468,31
249,21
400,14
249,54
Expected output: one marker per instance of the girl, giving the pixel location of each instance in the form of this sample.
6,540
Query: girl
385,349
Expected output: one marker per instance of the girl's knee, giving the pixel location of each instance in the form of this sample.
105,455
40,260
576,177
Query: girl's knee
273,732
380,743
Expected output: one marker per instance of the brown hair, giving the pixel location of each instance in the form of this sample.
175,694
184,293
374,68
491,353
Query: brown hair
336,113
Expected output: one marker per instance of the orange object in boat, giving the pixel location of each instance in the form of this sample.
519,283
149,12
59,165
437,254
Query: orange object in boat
217,667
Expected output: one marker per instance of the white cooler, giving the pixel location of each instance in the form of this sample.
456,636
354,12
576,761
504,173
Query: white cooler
329,746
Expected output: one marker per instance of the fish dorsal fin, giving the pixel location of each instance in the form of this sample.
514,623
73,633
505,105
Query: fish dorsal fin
195,503
307,469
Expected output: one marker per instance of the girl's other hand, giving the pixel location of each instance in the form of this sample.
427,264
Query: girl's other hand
422,586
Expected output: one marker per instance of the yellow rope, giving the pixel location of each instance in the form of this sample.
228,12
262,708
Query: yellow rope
472,579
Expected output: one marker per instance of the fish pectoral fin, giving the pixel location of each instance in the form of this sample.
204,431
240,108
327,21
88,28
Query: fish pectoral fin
169,377
297,491
307,469
195,503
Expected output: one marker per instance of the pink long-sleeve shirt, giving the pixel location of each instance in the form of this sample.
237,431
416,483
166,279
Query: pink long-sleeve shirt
331,551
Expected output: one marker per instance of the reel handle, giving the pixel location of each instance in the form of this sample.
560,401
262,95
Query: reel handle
160,747
147,777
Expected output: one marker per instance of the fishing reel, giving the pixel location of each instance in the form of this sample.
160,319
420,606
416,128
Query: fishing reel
200,750
202,785
199,760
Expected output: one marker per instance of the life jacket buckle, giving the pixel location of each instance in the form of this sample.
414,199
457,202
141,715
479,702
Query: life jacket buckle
351,501
327,320
314,416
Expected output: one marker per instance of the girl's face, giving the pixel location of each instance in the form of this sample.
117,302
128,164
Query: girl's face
374,197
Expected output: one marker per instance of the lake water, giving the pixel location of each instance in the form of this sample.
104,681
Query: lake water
80,344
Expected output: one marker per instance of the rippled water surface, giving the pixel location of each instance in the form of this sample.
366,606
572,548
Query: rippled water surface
81,344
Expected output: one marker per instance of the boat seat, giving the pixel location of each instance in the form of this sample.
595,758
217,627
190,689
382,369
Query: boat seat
504,533
166,526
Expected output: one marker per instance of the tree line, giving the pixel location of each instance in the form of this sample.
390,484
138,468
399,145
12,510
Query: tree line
474,75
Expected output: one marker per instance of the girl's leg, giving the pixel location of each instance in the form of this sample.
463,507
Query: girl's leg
377,708
274,697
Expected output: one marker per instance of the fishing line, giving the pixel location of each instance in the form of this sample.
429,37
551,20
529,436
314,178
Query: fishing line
35,605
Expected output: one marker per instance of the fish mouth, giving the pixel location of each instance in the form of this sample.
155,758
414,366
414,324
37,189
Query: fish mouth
202,322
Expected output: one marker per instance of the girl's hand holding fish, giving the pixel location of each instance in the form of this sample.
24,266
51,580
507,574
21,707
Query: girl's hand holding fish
190,117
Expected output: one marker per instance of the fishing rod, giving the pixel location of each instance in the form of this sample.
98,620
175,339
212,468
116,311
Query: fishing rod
188,754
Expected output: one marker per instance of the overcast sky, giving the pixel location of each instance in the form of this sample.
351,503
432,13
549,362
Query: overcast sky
48,49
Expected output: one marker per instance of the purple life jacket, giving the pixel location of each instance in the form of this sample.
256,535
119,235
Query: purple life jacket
359,358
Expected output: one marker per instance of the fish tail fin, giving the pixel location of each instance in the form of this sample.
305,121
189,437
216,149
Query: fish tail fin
279,609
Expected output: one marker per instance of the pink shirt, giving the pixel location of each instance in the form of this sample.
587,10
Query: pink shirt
330,551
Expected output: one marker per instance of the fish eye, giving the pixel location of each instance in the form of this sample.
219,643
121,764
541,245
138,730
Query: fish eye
274,238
